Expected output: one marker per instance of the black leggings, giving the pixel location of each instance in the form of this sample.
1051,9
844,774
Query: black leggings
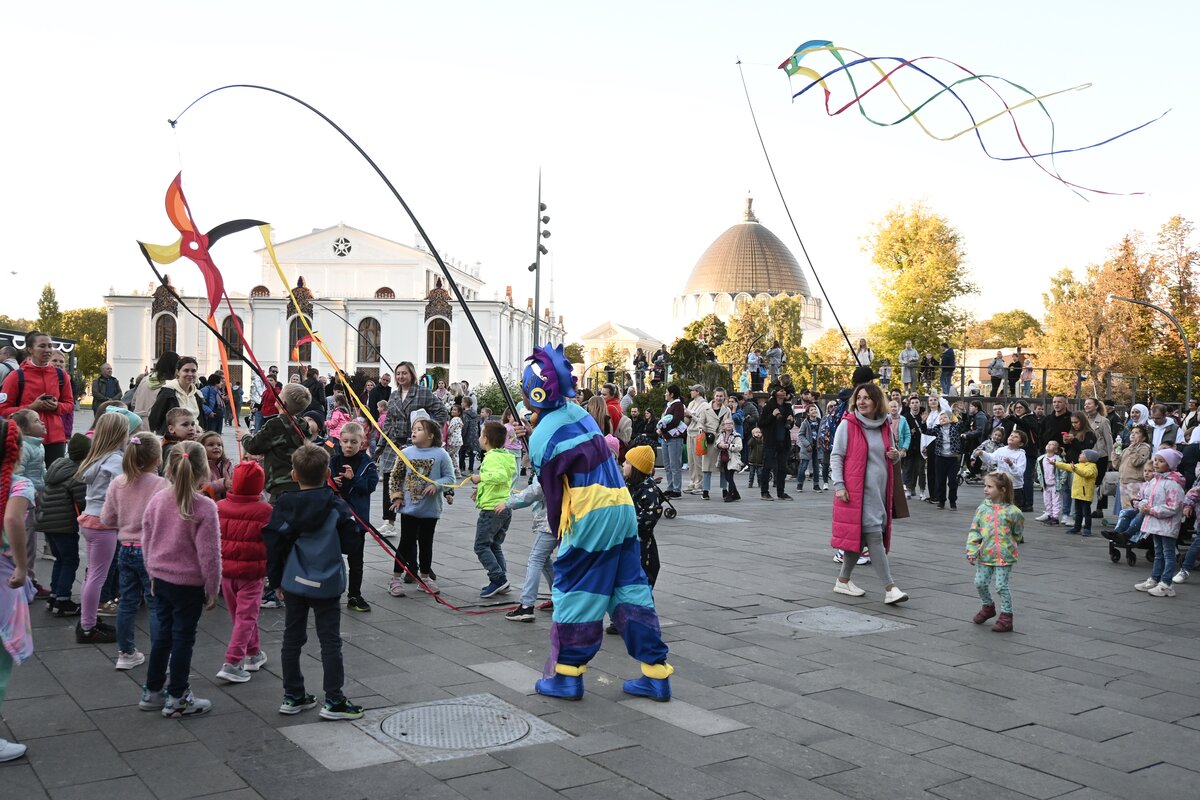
947,479
466,459
388,514
649,550
415,531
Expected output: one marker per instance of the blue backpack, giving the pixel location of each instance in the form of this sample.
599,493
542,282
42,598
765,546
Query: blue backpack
314,567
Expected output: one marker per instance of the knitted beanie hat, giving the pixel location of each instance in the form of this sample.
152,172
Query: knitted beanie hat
642,459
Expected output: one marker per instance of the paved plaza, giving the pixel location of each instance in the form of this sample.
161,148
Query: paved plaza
1096,694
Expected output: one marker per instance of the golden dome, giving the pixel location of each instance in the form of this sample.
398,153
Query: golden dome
747,258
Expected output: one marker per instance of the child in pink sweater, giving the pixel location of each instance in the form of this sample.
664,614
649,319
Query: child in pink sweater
181,538
125,504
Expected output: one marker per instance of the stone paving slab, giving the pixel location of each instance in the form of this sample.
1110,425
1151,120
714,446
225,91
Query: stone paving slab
1095,695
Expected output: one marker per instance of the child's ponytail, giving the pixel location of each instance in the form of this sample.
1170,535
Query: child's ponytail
142,454
187,470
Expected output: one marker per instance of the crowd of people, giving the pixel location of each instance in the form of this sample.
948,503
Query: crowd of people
167,520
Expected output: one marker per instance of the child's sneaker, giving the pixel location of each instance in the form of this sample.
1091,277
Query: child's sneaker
1162,590
520,614
294,705
430,581
108,609
130,660
838,556
233,673
342,709
1146,585
1180,576
255,662
357,603
66,608
270,600
1045,516
493,588
396,586
97,635
187,706
152,701
11,751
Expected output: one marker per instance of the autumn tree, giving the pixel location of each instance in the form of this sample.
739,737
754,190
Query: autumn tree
708,329
19,324
828,349
574,353
1004,329
49,317
1173,265
88,327
921,279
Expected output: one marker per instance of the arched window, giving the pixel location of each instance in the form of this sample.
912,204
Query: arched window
437,341
259,292
296,332
384,293
229,330
164,334
368,341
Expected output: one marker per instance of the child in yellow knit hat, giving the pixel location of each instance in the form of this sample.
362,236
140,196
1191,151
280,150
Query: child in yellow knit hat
639,479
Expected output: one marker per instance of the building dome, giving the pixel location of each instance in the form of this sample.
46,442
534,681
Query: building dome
747,259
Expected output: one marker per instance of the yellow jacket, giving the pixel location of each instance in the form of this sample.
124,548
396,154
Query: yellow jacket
1084,485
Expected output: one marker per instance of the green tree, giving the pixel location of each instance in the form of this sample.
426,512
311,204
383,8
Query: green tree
922,278
708,329
828,349
1004,329
1173,265
88,327
49,317
574,353
759,324
17,323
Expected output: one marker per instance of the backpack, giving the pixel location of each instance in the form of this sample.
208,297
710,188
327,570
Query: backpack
62,379
314,567
624,430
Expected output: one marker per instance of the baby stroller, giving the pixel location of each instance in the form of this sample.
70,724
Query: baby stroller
668,510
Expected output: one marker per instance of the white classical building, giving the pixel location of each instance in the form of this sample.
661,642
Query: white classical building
344,279
626,338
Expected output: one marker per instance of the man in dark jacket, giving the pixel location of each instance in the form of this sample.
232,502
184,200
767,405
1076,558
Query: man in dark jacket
1055,424
947,367
104,388
776,424
382,391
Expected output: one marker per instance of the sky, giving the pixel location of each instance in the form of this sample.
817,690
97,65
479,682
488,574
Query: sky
634,113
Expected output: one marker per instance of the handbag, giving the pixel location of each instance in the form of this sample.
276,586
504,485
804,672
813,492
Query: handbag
701,446
899,501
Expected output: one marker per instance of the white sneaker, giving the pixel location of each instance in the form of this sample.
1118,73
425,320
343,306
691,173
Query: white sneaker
388,529
1180,576
847,588
1146,585
894,595
10,751
233,673
1162,590
1045,516
838,556
396,587
255,662
824,487
130,660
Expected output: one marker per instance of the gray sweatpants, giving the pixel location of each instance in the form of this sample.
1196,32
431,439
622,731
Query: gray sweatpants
874,540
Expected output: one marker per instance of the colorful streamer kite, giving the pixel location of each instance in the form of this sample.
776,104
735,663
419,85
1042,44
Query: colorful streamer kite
793,68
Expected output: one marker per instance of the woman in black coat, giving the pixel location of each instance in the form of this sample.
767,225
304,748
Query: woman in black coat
1020,418
1014,373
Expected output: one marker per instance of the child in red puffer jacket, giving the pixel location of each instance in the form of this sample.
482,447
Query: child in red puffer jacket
243,568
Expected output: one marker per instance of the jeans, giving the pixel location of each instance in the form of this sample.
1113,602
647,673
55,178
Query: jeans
1065,493
984,573
1164,558
178,609
775,463
803,468
489,536
540,560
135,586
65,549
242,598
946,375
945,487
258,418
1026,388
466,459
388,514
415,532
100,547
327,616
1083,516
1193,551
673,461
1129,522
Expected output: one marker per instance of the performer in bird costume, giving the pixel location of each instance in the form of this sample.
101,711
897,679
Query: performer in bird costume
598,570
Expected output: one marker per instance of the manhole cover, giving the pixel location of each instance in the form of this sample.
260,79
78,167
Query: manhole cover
712,519
833,621
455,726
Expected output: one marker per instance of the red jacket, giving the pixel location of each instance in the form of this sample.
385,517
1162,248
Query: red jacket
243,515
613,404
40,381
847,517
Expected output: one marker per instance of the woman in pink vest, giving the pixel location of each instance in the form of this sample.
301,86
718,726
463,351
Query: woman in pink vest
861,463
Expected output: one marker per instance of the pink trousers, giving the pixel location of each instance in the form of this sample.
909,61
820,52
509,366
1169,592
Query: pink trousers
242,597
101,545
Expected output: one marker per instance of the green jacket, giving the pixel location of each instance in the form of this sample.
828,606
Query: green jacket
275,442
495,478
995,533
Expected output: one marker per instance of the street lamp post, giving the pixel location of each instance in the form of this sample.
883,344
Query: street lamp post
1187,348
536,266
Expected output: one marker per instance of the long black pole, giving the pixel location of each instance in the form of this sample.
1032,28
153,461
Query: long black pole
413,217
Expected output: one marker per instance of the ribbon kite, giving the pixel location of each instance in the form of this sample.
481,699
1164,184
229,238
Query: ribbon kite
793,67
